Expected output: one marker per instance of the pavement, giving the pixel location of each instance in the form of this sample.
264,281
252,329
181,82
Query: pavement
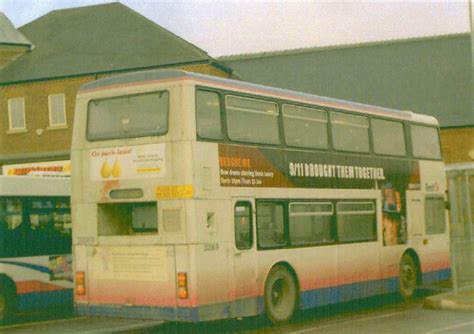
461,300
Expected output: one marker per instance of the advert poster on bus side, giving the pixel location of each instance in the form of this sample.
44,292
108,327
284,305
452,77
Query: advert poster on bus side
127,162
242,166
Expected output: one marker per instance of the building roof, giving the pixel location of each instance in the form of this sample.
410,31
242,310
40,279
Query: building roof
430,75
97,39
335,47
11,36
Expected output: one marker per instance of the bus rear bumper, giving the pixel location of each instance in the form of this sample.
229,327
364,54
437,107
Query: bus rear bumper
139,312
225,310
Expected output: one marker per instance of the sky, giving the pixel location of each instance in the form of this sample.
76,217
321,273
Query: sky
238,27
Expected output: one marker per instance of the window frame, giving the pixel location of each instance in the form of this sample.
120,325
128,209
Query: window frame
403,132
50,110
249,205
312,202
129,137
284,204
10,115
48,240
438,198
221,117
312,108
257,99
335,113
359,213
412,143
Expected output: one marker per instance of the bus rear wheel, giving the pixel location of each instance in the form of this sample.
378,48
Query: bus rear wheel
281,295
408,276
6,302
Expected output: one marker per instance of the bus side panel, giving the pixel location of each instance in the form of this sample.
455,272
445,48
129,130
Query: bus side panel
316,274
435,249
211,258
40,281
208,282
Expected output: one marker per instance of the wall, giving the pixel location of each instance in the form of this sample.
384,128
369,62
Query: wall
456,144
51,144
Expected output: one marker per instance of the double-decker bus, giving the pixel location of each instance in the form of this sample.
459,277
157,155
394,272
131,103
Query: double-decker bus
198,198
35,244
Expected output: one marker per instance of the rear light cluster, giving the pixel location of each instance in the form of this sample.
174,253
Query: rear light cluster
182,285
80,283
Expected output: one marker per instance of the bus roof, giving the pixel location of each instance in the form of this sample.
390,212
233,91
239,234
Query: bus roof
160,76
34,186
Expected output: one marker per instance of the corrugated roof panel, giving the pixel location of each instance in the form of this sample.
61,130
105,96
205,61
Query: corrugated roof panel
430,76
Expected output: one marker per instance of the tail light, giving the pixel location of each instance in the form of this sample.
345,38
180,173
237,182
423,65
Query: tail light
182,285
80,283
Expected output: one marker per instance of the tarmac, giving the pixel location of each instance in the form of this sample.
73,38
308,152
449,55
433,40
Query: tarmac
462,300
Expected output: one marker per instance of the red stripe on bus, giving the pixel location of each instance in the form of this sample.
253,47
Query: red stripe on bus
35,286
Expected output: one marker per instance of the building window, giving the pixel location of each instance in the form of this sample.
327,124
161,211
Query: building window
16,114
57,110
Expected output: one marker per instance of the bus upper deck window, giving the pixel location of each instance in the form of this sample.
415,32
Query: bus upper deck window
350,133
388,137
208,115
305,127
130,116
252,120
425,142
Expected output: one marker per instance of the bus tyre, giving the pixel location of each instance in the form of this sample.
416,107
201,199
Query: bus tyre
408,276
281,295
6,302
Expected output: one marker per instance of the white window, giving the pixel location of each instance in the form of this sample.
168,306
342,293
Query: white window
305,127
311,223
356,221
16,113
425,141
252,120
389,137
350,133
57,110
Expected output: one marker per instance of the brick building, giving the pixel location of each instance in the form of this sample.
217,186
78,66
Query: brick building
43,63
47,60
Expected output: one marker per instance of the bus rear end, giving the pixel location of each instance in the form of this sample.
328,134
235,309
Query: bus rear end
130,186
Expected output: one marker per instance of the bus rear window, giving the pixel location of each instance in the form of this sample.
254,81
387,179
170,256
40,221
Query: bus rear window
127,218
128,116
